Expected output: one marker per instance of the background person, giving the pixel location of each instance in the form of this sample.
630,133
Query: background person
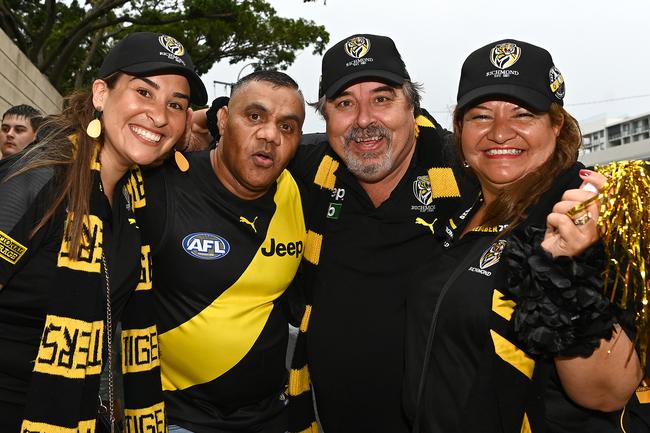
19,125
70,241
227,238
467,369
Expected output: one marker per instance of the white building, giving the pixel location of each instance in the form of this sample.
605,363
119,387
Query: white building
607,139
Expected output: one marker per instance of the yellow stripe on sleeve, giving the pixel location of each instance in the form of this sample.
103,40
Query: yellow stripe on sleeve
513,355
502,307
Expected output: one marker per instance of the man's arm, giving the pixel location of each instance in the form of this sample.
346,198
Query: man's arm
204,133
24,199
199,137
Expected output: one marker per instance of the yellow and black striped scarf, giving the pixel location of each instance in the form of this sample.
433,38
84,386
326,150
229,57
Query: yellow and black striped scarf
63,394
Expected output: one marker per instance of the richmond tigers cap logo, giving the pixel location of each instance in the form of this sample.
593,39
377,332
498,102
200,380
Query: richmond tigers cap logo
505,55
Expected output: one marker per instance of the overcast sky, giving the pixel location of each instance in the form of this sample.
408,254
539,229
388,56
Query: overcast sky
601,47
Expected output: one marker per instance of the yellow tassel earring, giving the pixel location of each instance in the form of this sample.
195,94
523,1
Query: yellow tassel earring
94,128
182,162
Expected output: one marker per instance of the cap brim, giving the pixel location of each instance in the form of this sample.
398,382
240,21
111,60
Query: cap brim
529,97
339,85
198,93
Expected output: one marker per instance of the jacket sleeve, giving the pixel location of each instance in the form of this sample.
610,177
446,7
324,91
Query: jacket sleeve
24,199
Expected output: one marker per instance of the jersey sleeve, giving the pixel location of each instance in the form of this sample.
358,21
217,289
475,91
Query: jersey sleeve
24,199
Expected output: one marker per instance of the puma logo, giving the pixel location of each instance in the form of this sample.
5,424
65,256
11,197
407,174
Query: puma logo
245,221
422,222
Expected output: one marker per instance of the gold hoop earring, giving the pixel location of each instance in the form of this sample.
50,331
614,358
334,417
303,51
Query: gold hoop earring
94,128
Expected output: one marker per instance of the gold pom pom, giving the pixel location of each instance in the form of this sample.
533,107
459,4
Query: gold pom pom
624,224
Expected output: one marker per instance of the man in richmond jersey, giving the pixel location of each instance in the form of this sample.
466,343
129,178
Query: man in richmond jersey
227,237
379,184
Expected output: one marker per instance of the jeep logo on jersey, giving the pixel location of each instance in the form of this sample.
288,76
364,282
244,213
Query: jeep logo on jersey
205,246
279,249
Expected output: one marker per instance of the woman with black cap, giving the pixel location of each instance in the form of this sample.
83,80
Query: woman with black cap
467,369
71,261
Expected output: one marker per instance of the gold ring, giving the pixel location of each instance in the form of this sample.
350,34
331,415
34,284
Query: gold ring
582,206
582,220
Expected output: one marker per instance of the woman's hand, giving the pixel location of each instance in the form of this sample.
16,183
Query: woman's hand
571,235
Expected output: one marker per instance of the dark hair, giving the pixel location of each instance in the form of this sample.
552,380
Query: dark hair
277,78
513,200
412,92
72,161
30,113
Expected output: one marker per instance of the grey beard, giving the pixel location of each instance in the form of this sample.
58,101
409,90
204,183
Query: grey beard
359,164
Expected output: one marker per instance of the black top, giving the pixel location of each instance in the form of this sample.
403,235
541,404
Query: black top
460,335
29,282
220,266
475,371
356,330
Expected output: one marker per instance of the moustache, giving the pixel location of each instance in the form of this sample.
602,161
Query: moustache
374,131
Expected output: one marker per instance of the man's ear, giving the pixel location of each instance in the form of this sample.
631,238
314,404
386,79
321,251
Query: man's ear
222,118
100,92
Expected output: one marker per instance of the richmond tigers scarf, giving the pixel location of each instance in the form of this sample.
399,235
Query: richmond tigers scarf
63,395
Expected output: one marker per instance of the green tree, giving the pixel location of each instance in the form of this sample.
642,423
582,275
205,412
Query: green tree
67,40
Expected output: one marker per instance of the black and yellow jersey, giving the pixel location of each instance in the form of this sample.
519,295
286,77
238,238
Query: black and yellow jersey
355,335
478,378
220,264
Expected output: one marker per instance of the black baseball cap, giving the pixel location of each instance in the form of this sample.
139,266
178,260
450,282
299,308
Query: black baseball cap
147,53
358,57
512,69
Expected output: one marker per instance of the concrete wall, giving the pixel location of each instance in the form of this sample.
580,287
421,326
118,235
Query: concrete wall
22,83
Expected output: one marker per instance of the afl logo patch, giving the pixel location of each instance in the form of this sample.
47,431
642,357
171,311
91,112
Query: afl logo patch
357,47
172,45
505,55
205,246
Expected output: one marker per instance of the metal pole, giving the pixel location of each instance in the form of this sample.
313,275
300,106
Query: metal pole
244,67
